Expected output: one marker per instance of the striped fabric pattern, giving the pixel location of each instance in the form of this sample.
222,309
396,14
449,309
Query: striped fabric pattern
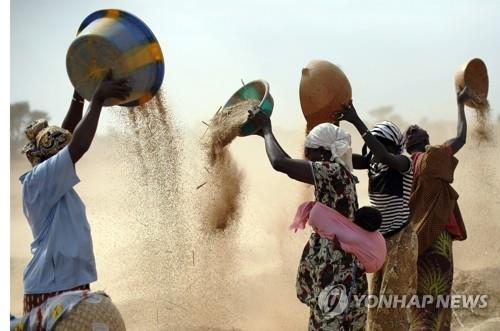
392,205
390,131
389,190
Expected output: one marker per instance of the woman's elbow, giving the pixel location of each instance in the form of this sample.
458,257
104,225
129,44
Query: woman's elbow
459,143
278,165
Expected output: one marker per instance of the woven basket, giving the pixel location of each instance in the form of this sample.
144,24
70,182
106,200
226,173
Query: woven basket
92,315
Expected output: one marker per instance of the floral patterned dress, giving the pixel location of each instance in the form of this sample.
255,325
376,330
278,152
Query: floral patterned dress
328,278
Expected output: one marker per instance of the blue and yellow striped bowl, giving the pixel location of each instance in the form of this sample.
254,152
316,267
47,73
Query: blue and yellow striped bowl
114,39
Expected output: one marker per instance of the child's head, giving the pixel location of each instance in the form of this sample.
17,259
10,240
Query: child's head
368,218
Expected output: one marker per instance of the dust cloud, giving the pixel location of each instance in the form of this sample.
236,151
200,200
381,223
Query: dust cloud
221,189
483,130
163,269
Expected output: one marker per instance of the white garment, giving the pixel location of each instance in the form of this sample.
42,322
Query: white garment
334,139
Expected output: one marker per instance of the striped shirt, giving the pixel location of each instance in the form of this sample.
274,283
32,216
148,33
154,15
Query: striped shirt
389,191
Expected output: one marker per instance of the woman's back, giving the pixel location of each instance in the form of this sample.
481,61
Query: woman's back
334,186
327,275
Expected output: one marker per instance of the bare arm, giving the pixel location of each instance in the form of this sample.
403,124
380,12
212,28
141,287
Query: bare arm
359,162
261,133
282,150
297,169
86,129
398,162
459,141
74,114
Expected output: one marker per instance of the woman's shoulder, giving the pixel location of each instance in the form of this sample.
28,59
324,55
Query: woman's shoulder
438,153
327,167
331,173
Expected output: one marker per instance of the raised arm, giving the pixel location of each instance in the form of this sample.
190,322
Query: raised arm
360,162
398,162
74,114
85,130
297,169
459,141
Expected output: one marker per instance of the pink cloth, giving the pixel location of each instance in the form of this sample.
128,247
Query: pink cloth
368,247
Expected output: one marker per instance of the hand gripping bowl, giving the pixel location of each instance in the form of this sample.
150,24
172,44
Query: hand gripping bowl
323,90
257,89
114,39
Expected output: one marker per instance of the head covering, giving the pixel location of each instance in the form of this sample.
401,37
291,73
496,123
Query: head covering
391,132
44,141
334,139
388,131
415,135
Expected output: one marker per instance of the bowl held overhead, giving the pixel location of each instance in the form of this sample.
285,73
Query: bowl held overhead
323,89
255,90
474,75
116,40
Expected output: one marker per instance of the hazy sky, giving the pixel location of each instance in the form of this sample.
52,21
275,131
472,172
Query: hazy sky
400,53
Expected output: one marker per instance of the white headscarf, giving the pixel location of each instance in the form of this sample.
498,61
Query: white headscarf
334,139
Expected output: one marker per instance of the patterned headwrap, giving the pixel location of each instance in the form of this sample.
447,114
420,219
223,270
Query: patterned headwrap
391,132
415,135
44,141
334,139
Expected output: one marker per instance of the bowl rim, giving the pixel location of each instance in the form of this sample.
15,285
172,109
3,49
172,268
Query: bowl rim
253,82
160,66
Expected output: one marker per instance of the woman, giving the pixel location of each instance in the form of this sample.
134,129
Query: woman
63,257
390,177
328,277
435,216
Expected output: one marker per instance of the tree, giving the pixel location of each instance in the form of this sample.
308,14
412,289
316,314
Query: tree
20,117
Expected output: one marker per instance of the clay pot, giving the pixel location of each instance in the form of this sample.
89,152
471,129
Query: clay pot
474,75
323,90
